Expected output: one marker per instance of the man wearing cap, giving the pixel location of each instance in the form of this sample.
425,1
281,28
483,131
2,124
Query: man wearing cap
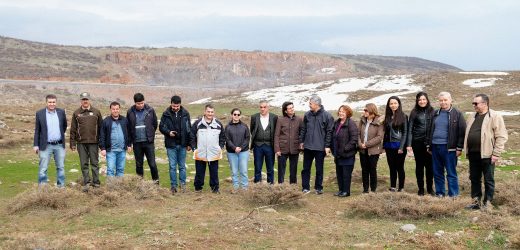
84,136
49,138
142,124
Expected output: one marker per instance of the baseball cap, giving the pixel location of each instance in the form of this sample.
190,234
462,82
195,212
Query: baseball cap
84,95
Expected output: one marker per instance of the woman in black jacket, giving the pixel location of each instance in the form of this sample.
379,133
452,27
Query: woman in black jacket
420,120
237,147
394,142
344,147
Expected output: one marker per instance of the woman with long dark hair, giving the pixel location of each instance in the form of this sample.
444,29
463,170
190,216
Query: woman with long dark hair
394,142
371,131
420,120
344,144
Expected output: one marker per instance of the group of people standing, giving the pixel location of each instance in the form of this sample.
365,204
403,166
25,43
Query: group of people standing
436,138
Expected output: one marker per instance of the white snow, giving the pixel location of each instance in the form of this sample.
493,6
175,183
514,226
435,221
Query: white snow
330,70
201,101
514,93
508,112
489,73
502,112
335,93
480,83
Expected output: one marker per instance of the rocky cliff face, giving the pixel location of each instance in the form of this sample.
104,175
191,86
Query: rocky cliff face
193,67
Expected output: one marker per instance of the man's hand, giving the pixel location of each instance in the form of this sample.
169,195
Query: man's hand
36,149
172,133
238,150
104,152
129,149
301,146
458,153
188,148
278,153
494,159
327,151
363,146
400,151
73,148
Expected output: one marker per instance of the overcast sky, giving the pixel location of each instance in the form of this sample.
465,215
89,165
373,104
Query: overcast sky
469,34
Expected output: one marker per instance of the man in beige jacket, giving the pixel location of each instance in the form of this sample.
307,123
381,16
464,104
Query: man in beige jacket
485,138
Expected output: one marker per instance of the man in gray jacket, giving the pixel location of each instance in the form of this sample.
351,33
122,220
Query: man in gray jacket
315,138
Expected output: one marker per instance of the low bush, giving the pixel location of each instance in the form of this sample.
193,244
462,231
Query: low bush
266,194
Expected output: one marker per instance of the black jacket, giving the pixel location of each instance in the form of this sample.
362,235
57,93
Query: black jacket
418,126
106,132
150,120
456,129
344,143
167,125
40,127
397,134
237,135
255,126
316,133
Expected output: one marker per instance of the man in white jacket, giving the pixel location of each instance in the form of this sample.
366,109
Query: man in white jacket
485,138
208,140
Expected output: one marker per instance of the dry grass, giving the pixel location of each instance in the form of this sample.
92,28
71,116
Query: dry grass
117,192
42,197
406,206
507,195
266,194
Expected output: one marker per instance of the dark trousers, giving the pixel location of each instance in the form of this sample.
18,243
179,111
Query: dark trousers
200,173
293,167
396,165
369,171
423,161
477,168
344,177
308,157
140,150
260,153
89,155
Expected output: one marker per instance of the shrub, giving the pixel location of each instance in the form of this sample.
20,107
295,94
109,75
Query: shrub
406,205
267,194
42,197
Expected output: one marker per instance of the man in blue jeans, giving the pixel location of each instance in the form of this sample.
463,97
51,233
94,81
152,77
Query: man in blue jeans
446,141
175,125
49,138
263,126
114,141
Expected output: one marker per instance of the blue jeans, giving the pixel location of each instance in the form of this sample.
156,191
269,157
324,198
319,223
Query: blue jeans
59,161
177,156
259,153
444,159
116,161
238,163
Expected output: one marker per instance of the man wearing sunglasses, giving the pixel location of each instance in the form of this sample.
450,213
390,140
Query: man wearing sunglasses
486,136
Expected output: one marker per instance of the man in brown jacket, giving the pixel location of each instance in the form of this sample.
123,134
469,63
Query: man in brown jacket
287,142
485,140
84,136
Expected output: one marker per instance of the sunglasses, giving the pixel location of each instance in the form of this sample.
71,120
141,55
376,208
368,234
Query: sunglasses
366,110
236,114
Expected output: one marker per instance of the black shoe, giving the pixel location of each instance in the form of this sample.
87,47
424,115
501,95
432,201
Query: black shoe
337,193
365,191
400,190
475,205
215,191
392,190
319,191
173,190
344,194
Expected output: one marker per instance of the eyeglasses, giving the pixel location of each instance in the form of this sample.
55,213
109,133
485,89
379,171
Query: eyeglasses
236,114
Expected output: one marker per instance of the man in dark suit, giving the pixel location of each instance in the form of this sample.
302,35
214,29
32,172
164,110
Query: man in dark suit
49,138
263,125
